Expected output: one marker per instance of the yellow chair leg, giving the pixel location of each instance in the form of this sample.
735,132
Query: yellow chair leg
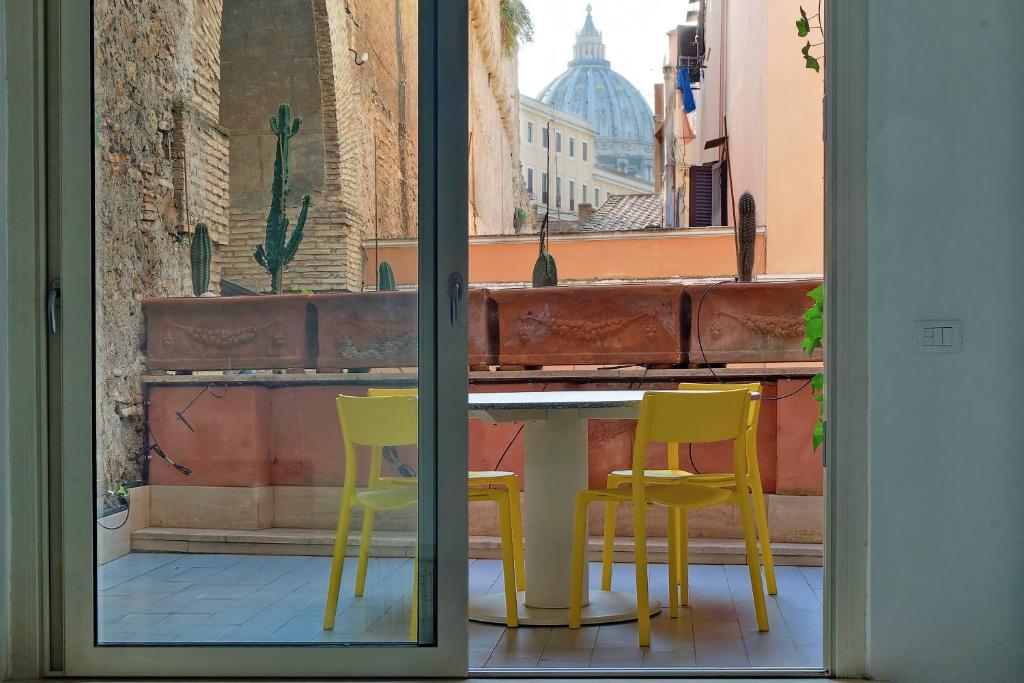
684,559
673,563
608,548
765,541
517,532
507,562
414,607
364,551
337,562
643,622
753,565
579,549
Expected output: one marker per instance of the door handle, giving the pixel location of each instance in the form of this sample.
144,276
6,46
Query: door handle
454,297
52,304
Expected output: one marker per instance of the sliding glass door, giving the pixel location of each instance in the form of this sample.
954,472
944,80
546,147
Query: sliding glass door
260,426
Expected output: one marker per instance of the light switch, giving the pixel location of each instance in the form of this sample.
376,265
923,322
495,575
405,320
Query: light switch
938,336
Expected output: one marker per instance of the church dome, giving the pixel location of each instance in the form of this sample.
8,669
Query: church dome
614,107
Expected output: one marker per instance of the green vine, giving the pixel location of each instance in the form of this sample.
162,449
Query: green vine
516,26
814,335
803,29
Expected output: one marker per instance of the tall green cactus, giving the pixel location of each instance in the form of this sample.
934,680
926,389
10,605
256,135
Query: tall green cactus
201,254
385,278
545,272
746,236
279,249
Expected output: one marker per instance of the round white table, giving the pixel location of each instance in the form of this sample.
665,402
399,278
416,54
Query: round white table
555,469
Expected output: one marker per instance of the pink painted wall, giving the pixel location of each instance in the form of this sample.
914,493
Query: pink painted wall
289,436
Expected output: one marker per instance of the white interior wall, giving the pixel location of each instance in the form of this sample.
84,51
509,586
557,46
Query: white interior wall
946,240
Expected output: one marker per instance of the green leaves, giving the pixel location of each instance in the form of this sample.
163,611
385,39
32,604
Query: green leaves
810,61
814,334
803,27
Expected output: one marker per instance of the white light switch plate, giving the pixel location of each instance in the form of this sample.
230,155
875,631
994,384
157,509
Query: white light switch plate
938,336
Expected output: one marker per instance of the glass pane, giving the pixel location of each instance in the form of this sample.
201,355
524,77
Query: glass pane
249,157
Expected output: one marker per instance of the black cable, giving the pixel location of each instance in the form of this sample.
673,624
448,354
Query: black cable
127,507
704,357
515,436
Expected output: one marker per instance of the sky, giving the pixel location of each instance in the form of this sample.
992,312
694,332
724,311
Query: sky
633,32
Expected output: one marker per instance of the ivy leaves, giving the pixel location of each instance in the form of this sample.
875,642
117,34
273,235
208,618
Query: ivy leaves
814,333
810,61
803,29
803,26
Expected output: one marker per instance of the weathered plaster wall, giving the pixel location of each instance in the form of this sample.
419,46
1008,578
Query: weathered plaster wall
495,175
152,59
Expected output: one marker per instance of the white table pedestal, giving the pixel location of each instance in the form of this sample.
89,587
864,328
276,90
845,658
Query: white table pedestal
555,469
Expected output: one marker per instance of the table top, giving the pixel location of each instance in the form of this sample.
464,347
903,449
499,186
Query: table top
553,400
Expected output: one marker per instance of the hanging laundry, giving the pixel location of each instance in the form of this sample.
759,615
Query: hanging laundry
683,127
684,85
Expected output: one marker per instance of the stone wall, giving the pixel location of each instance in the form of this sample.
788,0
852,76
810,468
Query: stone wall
153,58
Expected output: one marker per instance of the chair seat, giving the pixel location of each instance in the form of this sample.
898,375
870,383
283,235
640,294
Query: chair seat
391,498
687,495
653,474
489,477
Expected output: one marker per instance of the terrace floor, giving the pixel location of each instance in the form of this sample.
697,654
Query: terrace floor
203,598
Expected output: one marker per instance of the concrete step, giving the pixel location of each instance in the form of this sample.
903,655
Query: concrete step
284,541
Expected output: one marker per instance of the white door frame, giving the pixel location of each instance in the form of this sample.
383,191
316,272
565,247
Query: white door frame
846,337
34,653
63,634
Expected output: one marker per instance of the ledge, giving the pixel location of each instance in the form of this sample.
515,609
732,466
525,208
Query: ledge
631,375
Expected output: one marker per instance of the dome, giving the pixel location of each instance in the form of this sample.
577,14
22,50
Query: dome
614,107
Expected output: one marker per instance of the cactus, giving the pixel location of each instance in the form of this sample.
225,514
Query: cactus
385,278
201,253
545,273
746,236
279,249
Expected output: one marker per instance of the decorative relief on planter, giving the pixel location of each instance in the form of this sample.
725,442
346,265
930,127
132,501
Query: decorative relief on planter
228,333
593,325
482,329
366,330
749,322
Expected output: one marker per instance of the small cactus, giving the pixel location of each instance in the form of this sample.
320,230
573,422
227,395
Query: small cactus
279,249
545,273
385,278
201,254
746,233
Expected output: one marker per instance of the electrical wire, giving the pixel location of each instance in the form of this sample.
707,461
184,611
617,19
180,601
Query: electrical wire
704,357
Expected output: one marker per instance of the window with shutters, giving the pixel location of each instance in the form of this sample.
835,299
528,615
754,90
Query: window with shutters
529,132
584,151
558,192
529,180
572,147
544,137
572,194
708,190
558,142
544,188
583,192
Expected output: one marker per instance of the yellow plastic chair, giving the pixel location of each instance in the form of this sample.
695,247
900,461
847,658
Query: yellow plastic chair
477,479
676,417
673,474
386,419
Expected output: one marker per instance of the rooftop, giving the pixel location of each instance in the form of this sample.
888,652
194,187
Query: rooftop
627,212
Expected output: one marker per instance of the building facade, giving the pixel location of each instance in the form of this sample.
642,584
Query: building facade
755,81
559,168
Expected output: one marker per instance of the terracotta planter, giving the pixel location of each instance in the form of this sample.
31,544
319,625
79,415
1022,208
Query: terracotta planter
366,330
748,322
593,325
483,329
228,333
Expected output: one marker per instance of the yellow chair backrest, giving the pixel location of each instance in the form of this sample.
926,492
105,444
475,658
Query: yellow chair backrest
388,391
702,416
378,420
755,406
